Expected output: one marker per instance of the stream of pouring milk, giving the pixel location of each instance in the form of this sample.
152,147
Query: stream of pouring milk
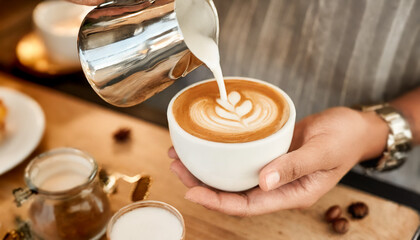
196,20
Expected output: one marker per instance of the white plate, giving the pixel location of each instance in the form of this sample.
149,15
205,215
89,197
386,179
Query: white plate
25,124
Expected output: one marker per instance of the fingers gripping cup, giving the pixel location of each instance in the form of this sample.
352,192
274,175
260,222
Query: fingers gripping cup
226,144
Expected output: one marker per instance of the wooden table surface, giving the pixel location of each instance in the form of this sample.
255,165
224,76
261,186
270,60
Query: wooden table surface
75,123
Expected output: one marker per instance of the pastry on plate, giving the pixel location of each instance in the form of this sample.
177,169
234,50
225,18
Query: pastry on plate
3,113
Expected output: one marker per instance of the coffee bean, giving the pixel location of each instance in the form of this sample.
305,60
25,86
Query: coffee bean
333,213
358,210
341,225
122,135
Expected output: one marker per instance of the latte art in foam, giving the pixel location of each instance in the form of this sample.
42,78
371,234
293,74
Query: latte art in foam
251,112
243,112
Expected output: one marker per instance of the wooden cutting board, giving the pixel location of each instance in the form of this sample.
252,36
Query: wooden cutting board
75,123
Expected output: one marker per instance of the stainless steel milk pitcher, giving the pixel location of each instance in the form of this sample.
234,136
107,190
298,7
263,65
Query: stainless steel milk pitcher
132,49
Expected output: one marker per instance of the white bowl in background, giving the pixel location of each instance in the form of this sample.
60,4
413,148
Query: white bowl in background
58,23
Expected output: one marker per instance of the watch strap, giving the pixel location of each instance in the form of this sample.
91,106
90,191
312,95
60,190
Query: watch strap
399,139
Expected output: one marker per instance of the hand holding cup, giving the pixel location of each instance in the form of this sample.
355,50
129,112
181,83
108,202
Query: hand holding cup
325,147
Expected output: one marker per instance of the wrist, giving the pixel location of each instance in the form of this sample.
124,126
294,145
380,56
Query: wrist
375,135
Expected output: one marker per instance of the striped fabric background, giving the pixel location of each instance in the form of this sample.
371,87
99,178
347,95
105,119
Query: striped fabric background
324,53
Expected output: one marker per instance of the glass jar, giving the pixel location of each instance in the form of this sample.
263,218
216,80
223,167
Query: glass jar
68,200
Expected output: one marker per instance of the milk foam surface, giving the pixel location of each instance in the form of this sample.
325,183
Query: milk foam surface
252,111
151,223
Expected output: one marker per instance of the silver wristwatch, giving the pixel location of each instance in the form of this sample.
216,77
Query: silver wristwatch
399,139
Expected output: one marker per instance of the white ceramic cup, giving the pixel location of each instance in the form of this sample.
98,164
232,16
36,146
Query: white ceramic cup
230,167
58,23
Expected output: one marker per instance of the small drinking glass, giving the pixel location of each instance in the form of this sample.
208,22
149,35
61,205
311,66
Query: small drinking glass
147,220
